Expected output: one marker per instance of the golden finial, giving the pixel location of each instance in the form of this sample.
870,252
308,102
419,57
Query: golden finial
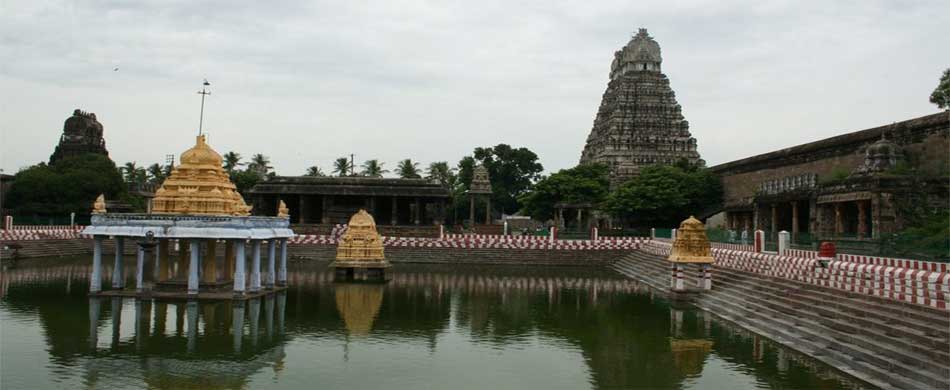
99,206
282,210
691,244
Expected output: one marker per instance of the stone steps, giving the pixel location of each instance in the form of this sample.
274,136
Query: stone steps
888,343
860,330
919,323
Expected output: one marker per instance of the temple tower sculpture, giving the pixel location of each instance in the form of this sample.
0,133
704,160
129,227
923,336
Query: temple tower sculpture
639,122
481,186
690,246
82,133
359,254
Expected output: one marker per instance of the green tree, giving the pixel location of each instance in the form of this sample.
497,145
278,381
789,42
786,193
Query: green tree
244,180
586,183
133,174
663,196
260,164
157,173
314,171
373,168
408,169
941,95
341,166
441,172
70,185
231,161
511,171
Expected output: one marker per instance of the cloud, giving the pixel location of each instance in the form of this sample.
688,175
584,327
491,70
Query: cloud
306,82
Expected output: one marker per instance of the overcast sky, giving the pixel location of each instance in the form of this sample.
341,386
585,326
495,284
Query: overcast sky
306,82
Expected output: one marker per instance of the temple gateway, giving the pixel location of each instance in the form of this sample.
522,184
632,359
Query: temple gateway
639,122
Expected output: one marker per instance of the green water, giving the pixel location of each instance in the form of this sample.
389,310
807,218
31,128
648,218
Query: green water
432,327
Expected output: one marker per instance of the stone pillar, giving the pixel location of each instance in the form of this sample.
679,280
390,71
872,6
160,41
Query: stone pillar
774,223
239,258
704,282
118,273
394,215
488,209
794,219
95,280
255,265
195,249
471,208
839,220
209,273
282,268
184,252
755,216
301,201
271,264
580,218
139,268
676,278
784,241
417,214
862,218
324,207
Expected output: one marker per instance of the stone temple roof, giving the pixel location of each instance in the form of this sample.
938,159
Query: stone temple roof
353,186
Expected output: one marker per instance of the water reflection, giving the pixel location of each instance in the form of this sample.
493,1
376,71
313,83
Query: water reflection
538,327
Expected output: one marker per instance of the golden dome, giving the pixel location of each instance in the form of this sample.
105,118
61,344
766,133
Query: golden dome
199,186
361,241
691,244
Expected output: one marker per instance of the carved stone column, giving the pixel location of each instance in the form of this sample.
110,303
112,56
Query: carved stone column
862,218
774,223
209,264
794,219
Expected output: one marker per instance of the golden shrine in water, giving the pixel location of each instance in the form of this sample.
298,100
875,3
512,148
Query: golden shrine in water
199,186
359,254
691,244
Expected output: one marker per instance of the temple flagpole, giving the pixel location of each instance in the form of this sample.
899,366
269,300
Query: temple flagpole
203,93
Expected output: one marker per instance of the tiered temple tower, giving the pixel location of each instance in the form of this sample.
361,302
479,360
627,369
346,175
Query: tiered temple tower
82,133
639,122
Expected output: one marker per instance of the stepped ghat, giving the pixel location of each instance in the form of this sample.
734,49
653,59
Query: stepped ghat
639,122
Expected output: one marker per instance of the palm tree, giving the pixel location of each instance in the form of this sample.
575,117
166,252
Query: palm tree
156,173
134,174
408,169
373,168
232,161
314,171
341,166
260,164
441,172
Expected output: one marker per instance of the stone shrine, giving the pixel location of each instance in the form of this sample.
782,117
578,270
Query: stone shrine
639,122
360,255
82,134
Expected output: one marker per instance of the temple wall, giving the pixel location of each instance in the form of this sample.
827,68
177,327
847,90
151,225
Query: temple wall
924,141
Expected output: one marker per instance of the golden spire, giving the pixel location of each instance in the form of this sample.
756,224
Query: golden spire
99,206
691,244
361,242
282,210
199,186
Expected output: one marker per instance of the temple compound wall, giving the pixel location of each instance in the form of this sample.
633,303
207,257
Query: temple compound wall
845,187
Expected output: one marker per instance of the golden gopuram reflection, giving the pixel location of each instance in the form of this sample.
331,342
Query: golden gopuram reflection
358,305
360,254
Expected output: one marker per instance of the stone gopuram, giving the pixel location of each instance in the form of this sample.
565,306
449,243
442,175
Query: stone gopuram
82,134
360,255
639,122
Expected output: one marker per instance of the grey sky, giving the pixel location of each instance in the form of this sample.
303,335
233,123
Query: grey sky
306,82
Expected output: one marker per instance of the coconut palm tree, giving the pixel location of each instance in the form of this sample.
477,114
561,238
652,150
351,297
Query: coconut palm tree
314,171
341,167
260,164
134,174
156,173
232,161
441,172
408,169
373,168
